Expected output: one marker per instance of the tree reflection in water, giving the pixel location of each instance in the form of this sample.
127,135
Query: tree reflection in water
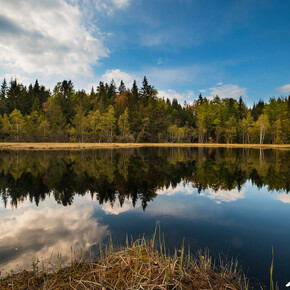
135,174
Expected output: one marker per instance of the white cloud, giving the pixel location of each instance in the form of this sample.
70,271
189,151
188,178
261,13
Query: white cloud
172,94
226,91
285,89
224,195
118,75
109,6
50,38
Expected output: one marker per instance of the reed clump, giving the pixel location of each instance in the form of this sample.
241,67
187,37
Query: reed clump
139,265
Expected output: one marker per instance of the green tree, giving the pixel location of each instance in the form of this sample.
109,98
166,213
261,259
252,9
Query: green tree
4,89
32,126
80,124
231,130
278,132
173,132
55,118
246,125
180,134
95,126
263,124
108,123
16,124
123,124
122,87
43,127
219,129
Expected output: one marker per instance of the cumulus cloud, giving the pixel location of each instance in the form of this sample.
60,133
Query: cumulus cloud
285,89
118,75
48,37
172,94
225,91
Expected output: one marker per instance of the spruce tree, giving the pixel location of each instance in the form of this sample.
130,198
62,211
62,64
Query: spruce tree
122,87
4,89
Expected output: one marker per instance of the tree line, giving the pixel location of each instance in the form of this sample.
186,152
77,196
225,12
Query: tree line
120,114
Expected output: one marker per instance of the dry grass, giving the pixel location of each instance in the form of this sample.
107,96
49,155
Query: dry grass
138,266
82,146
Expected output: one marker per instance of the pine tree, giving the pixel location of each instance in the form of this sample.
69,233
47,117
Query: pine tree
112,90
147,91
200,99
4,89
135,90
122,87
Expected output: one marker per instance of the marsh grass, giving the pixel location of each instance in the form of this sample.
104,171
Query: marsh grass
141,264
83,146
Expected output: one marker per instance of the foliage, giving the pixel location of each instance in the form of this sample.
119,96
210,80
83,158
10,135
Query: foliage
106,114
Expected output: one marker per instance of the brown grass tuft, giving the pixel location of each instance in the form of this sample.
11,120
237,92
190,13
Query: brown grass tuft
138,266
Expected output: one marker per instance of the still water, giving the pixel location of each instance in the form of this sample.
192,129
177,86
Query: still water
234,202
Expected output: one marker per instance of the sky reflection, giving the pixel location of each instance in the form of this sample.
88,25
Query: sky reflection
224,200
35,232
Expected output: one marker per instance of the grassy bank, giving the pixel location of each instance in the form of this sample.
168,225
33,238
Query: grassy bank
137,266
82,146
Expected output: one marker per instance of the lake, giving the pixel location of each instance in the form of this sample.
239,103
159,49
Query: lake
234,202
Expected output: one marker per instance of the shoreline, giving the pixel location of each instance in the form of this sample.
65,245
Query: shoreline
140,265
86,146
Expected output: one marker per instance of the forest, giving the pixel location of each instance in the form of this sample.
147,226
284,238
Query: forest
111,113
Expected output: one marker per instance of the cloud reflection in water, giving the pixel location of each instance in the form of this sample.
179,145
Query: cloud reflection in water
36,232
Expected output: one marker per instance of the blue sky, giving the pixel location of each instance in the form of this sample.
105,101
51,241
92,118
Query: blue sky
184,47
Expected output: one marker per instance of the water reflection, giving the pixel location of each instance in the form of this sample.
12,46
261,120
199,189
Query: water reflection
229,200
32,232
138,174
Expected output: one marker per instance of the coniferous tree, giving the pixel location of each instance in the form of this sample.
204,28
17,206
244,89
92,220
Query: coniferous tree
4,89
34,114
122,87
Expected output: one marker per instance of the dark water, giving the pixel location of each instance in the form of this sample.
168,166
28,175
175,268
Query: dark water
233,201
